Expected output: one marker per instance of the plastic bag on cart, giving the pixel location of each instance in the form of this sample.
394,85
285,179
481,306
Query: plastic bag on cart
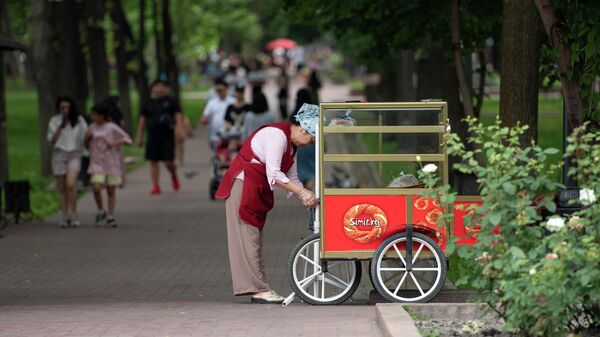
342,120
405,181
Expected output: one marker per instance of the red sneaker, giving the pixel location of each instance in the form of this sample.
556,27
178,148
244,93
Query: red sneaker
175,182
155,190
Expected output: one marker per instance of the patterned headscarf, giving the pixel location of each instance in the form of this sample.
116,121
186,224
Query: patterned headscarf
308,117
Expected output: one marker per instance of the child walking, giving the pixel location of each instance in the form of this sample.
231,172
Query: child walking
104,140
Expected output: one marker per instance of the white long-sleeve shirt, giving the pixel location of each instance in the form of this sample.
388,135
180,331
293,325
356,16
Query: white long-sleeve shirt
268,145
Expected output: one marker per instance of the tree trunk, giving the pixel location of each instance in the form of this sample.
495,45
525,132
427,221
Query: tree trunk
463,86
96,44
10,57
142,77
521,57
158,46
171,66
69,52
3,137
557,31
481,86
45,68
430,70
3,130
431,76
122,34
58,62
456,113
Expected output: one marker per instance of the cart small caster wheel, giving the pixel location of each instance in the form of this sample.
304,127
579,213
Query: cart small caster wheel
315,286
420,283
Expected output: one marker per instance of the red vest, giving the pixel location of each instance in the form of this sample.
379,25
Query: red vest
257,196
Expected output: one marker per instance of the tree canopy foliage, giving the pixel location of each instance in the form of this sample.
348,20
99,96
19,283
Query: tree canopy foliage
370,30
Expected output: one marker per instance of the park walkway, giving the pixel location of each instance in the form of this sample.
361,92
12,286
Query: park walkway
163,272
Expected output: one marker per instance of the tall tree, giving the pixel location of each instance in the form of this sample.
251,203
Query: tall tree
463,85
158,47
10,58
58,62
519,84
96,45
3,137
141,75
123,37
558,33
73,80
45,67
171,62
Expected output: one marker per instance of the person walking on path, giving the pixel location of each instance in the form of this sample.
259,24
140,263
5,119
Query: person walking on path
266,160
104,140
214,112
66,131
162,118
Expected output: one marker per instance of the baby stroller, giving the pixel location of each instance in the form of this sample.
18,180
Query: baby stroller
225,149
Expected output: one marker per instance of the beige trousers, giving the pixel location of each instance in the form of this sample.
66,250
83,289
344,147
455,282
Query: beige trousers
245,248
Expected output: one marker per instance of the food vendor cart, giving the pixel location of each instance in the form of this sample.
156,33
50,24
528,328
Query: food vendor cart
371,204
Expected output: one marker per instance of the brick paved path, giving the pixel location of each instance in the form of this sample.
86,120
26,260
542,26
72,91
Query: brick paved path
187,319
162,272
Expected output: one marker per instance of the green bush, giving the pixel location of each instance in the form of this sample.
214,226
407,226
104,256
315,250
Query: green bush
541,275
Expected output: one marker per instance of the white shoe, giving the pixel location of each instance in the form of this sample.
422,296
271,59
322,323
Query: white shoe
268,297
73,220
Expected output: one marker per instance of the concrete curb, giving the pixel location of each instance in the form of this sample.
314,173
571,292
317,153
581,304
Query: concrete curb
394,321
461,311
444,296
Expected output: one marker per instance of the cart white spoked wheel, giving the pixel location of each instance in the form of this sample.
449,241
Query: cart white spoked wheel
320,283
420,281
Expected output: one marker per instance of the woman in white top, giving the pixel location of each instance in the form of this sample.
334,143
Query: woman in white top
66,132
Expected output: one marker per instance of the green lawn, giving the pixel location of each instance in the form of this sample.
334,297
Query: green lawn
23,140
546,105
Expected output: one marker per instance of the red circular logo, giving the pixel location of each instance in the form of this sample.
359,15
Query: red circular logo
364,223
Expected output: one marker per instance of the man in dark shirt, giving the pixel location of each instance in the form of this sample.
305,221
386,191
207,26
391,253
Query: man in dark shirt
162,118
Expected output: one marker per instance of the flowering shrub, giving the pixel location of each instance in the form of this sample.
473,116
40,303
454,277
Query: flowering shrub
541,275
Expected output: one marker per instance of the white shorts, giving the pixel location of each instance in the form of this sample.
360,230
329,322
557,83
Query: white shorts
65,161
